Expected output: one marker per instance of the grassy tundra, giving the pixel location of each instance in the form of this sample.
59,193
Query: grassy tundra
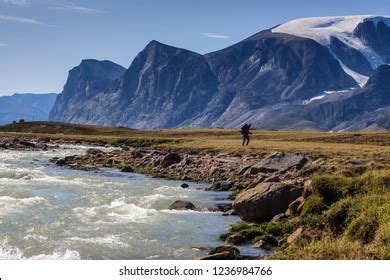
345,216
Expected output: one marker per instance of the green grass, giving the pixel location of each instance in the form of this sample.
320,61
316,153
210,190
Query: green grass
243,232
354,225
335,147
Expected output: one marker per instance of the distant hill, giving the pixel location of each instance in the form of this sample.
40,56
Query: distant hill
26,106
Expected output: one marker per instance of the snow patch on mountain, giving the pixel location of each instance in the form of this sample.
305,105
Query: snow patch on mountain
321,29
325,93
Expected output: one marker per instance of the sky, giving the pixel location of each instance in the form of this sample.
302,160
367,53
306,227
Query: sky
41,40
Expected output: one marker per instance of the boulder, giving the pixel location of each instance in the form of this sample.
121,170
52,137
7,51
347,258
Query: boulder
263,202
182,205
127,169
136,154
184,186
169,159
27,144
243,169
282,162
187,161
94,151
213,208
220,207
221,186
220,249
254,170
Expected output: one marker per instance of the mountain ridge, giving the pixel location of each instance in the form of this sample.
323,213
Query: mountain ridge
263,77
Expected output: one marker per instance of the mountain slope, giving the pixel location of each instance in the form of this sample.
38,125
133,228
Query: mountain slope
337,111
84,83
369,104
268,69
163,87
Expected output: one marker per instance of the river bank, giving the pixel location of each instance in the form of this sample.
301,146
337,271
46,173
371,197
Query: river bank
286,173
52,212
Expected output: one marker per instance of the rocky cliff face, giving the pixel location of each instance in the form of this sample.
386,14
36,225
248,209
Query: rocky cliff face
163,87
371,103
368,107
375,32
272,79
270,68
84,83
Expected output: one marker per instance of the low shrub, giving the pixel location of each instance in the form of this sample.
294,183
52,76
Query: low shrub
363,228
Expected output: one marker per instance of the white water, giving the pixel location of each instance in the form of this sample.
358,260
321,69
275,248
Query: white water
50,212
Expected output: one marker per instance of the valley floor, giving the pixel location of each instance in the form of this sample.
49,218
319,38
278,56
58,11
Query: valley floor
342,213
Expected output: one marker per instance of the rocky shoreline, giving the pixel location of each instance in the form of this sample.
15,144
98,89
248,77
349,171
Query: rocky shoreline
264,188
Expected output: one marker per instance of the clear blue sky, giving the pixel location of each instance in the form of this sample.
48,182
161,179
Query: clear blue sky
40,40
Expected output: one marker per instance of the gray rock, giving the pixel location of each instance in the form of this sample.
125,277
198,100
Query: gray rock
171,158
282,162
221,186
127,169
94,151
182,205
262,203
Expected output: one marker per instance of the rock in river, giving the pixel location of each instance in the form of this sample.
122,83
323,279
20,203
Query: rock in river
182,205
94,151
223,253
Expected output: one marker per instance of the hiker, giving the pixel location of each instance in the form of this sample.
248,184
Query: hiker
245,131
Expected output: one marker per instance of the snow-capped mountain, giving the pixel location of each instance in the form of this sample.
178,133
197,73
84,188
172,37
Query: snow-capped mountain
279,78
358,42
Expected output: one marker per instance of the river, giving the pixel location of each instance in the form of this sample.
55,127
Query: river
52,212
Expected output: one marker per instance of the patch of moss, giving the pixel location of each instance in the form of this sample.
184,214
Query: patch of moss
314,205
331,187
337,215
363,228
243,232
